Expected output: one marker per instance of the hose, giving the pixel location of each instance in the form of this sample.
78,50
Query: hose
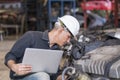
66,69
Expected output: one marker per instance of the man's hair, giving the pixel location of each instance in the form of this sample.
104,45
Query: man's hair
57,25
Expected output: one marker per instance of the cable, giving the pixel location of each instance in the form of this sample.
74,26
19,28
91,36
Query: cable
72,69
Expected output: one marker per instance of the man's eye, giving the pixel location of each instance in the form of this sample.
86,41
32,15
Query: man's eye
69,36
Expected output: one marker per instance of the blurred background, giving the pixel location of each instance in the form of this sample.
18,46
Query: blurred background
19,16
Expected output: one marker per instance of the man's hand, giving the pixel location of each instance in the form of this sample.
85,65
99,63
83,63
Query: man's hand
19,69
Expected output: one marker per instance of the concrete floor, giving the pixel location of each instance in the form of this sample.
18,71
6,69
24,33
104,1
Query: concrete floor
5,46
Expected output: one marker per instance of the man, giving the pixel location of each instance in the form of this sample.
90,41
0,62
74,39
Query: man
65,28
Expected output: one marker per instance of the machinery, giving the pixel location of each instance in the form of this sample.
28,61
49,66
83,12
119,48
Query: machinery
96,57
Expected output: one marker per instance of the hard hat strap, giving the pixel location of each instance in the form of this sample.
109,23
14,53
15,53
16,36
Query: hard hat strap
64,26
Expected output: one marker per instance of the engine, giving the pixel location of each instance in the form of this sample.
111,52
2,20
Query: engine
96,60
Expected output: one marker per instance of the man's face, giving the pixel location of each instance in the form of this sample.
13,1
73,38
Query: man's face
63,37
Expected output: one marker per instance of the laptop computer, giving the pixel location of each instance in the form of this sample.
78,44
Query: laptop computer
42,59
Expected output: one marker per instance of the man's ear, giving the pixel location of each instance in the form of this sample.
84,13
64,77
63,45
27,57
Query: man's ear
60,29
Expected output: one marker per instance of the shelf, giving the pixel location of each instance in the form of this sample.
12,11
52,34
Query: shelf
33,11
58,8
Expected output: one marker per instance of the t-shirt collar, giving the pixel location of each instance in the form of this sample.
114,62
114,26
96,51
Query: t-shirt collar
45,36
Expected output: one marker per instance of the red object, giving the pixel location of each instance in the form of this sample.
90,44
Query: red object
97,5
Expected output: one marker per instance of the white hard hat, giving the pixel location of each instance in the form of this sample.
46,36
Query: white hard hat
71,23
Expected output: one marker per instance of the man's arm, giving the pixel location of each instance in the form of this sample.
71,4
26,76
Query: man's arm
17,51
13,58
19,69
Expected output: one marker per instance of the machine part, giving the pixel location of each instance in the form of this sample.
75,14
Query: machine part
114,34
100,78
99,60
77,50
83,76
71,72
